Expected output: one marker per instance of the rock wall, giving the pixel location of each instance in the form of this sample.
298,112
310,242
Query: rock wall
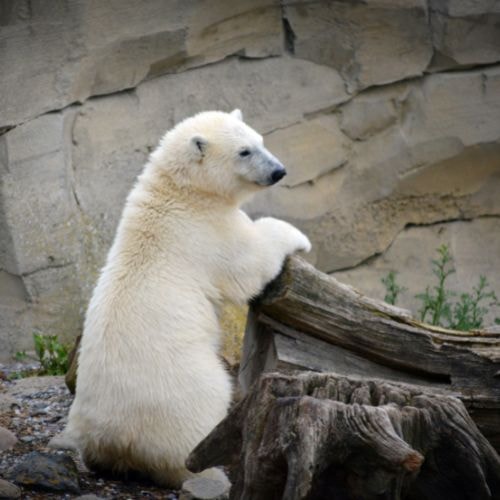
387,114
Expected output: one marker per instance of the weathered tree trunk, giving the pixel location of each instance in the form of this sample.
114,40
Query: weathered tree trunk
307,320
326,436
321,436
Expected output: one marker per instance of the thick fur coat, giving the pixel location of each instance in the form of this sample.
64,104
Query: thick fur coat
150,383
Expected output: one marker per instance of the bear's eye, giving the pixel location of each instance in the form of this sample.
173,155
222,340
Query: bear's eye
245,152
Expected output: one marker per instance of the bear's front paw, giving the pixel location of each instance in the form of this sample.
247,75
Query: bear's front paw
303,243
283,235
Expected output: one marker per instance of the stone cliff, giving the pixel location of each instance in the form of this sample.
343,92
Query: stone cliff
386,112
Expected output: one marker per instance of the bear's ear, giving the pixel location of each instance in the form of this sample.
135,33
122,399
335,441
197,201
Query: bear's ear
199,146
236,113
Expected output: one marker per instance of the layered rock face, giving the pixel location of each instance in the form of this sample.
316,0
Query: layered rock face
386,113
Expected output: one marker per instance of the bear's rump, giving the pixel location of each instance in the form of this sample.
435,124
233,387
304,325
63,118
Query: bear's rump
144,423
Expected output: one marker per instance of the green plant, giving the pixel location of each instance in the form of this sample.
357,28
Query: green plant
20,356
468,314
465,314
53,356
392,289
15,375
436,306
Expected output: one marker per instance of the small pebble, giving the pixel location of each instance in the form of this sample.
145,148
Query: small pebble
7,439
9,490
202,488
88,497
27,439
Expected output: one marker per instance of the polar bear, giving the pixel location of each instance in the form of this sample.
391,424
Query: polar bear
150,383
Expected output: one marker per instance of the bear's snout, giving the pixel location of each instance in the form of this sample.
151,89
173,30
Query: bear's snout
277,175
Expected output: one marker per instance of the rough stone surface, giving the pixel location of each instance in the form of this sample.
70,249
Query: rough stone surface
369,114
386,115
202,488
310,149
9,490
6,402
58,228
363,39
72,50
113,136
47,471
435,160
7,439
465,33
412,251
32,386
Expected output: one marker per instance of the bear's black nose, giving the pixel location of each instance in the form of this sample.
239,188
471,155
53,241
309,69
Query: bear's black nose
277,175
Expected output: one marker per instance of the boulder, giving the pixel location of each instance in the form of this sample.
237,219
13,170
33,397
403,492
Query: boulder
47,472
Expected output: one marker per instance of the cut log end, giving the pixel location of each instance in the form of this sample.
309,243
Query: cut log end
413,461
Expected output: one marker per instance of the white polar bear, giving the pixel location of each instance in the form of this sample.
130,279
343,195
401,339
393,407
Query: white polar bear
150,383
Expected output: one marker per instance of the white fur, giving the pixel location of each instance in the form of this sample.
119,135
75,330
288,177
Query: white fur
150,383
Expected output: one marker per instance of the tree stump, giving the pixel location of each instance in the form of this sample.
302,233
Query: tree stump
322,436
308,320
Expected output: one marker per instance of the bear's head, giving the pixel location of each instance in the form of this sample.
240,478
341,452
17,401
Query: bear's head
218,153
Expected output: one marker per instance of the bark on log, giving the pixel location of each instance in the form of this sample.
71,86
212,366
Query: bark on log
321,436
308,320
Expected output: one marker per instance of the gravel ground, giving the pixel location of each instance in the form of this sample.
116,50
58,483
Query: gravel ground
35,409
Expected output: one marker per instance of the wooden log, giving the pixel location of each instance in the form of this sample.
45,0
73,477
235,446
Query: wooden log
70,377
308,320
321,436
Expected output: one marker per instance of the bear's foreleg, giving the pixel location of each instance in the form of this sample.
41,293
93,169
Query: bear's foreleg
263,246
